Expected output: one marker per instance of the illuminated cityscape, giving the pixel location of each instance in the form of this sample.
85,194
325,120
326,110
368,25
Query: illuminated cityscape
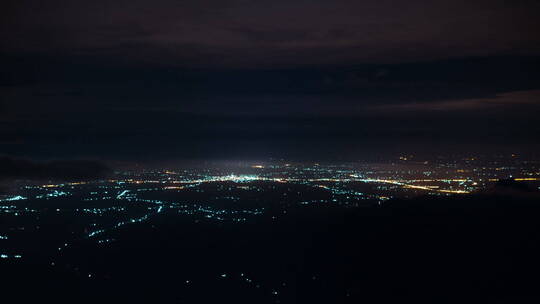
99,215
269,152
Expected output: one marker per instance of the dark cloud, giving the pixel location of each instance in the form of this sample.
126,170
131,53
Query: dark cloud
18,168
246,33
196,78
75,109
523,99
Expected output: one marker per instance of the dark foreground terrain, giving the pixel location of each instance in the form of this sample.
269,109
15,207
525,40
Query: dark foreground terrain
476,248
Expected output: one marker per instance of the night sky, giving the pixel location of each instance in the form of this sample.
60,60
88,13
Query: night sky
299,79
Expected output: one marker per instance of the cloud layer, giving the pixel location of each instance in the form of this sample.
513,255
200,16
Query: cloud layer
17,168
242,33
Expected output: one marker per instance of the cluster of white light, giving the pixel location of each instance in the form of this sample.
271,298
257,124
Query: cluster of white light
13,198
55,193
8,256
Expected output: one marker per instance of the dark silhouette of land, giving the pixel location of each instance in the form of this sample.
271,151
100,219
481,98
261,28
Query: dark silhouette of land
483,247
